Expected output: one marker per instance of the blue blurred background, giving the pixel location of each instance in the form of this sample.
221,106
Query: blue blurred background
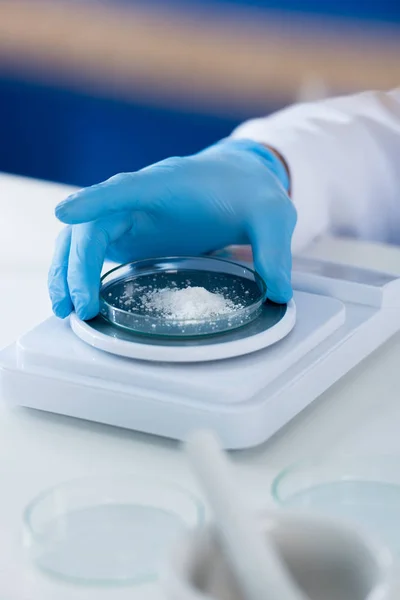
67,114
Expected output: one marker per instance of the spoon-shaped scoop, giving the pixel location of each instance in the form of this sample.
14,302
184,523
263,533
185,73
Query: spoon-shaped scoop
260,573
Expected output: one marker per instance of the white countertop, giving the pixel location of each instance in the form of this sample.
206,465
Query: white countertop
360,414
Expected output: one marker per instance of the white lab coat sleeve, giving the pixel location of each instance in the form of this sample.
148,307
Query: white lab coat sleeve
344,158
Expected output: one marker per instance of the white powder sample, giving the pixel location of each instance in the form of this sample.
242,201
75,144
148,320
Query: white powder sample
187,303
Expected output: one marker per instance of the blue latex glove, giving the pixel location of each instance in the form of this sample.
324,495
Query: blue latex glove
231,193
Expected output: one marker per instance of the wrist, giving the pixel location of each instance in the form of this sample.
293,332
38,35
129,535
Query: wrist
269,155
288,180
274,160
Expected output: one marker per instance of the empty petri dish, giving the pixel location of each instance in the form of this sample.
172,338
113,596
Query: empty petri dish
179,297
108,531
364,491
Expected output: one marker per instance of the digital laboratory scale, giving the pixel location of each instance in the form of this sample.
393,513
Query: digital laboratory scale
245,384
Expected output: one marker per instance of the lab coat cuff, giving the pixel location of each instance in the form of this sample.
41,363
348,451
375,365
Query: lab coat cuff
305,172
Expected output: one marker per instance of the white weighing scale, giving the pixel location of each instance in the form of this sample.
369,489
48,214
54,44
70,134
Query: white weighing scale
245,384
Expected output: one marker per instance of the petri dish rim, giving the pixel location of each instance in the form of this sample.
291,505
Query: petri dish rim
34,540
243,311
380,470
162,483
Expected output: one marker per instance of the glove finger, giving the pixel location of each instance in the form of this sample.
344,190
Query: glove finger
126,191
271,237
89,245
57,277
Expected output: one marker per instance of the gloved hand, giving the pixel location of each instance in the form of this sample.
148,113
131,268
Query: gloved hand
231,193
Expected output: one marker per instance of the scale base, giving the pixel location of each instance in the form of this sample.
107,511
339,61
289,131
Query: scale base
245,400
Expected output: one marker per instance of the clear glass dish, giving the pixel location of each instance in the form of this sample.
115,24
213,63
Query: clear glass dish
364,491
108,531
125,291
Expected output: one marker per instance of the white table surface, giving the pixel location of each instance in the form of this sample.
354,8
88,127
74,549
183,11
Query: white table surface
360,414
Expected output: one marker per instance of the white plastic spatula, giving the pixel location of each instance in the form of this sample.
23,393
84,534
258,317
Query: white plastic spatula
260,573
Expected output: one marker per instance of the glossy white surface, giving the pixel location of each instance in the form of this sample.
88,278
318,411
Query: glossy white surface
242,399
156,353
360,414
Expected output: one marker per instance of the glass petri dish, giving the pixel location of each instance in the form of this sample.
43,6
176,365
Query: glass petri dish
363,491
108,531
127,295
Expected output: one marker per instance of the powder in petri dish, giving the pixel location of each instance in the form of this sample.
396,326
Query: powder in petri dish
187,303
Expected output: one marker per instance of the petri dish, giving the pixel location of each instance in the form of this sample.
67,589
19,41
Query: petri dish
364,491
108,531
130,296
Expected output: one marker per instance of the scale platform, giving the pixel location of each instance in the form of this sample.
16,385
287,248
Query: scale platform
343,314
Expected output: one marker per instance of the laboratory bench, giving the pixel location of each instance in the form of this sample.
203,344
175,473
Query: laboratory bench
359,415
